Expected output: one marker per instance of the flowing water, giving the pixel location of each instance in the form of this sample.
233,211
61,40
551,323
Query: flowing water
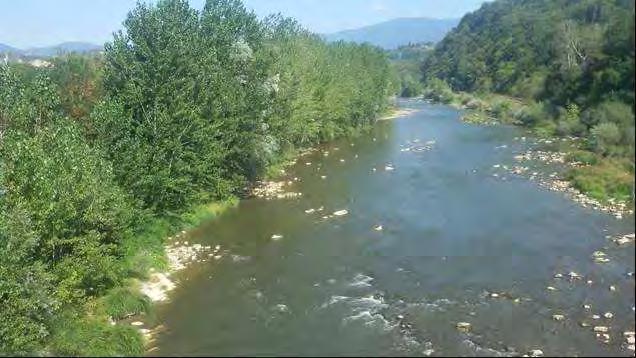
452,234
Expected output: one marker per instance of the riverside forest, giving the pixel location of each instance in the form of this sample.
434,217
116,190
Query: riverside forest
216,182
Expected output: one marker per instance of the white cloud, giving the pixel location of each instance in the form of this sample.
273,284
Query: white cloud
379,6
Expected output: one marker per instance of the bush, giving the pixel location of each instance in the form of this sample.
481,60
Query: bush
582,156
75,336
604,181
604,137
122,302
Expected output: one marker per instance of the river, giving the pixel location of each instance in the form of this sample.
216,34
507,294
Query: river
452,235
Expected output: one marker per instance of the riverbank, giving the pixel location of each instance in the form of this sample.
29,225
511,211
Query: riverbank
180,252
391,264
590,179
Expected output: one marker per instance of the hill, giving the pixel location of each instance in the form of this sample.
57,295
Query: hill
570,64
7,49
51,51
565,51
394,33
66,47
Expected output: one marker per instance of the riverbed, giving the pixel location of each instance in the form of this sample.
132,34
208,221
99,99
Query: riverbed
399,235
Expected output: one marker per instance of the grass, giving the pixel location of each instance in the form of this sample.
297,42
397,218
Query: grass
601,178
607,179
122,302
76,335
86,331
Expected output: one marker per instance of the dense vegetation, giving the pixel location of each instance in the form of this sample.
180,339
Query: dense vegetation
101,157
405,62
569,66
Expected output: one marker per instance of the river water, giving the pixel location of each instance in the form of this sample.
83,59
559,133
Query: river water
452,234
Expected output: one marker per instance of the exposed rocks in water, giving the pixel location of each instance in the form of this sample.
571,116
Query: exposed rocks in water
541,156
180,255
277,237
378,228
600,257
554,183
157,287
623,239
389,167
341,213
574,276
273,190
416,147
558,317
630,340
535,353
398,113
603,337
463,326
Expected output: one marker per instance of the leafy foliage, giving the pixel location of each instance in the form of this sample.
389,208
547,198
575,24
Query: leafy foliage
100,158
572,62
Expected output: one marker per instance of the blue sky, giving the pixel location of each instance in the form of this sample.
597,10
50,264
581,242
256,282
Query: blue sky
28,23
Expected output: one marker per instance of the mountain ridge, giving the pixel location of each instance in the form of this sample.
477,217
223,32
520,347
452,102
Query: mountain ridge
397,32
51,51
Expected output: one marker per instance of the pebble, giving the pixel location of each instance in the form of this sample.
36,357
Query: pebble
341,212
535,353
558,317
601,329
574,276
463,326
137,323
608,315
428,352
603,337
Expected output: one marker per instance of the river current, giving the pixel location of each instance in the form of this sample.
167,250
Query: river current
432,237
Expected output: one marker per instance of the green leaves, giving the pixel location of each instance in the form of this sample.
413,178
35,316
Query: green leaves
187,107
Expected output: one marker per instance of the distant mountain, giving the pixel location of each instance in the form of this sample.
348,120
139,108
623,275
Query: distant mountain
6,48
50,51
398,32
63,48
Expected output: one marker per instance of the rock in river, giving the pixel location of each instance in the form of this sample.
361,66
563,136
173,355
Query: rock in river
463,326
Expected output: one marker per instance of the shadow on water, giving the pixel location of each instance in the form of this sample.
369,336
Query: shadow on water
452,234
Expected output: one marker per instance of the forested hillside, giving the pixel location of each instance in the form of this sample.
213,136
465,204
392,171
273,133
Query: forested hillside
570,62
100,158
397,32
405,62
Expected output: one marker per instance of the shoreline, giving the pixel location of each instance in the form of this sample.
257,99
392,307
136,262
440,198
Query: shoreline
181,254
475,114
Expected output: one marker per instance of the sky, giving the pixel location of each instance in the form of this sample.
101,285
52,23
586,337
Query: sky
32,23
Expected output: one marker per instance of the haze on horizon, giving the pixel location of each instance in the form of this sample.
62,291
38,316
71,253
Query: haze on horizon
35,23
